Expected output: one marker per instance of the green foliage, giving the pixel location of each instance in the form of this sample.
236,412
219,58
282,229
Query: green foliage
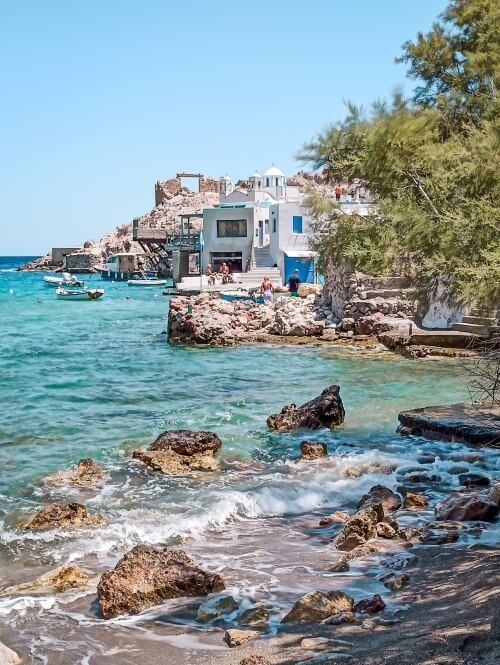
431,162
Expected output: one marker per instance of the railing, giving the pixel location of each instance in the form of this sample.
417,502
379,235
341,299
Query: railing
145,232
181,241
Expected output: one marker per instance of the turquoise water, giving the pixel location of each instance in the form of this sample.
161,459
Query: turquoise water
98,379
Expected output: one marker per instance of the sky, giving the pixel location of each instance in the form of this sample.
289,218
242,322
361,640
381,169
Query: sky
99,99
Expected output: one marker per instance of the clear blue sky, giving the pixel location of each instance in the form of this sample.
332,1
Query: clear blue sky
102,98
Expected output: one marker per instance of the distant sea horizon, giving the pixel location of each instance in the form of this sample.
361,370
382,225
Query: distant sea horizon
11,261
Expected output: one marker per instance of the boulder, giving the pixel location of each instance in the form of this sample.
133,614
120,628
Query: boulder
381,494
147,576
394,581
316,606
338,517
416,501
474,480
7,656
176,452
360,528
385,530
464,507
58,580
326,410
370,605
310,450
237,638
216,607
494,494
254,616
63,516
86,472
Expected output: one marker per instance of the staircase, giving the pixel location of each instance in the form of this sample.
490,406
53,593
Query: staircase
478,322
261,265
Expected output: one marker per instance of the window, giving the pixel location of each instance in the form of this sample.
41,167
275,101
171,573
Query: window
266,226
297,223
274,225
231,228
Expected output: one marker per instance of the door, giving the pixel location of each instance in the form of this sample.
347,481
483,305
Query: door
261,233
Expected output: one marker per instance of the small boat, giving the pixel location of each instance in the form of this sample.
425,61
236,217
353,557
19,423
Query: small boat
146,281
65,280
241,295
79,294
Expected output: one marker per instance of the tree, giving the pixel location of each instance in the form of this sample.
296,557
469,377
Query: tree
432,163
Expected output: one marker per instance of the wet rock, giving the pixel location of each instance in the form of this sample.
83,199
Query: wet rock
426,458
420,478
255,660
385,530
342,566
494,494
147,576
310,450
254,616
216,607
474,480
187,442
416,501
456,470
467,457
429,537
176,452
63,578
383,495
370,605
340,618
360,528
7,656
326,410
86,472
64,516
404,431
464,507
338,517
395,582
237,638
316,606
314,642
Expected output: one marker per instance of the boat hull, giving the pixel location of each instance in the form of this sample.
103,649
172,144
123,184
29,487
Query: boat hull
116,276
146,282
85,295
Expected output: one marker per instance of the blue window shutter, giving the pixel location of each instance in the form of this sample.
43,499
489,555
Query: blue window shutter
297,224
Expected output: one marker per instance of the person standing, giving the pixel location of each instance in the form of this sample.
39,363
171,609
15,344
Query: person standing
267,290
338,192
294,283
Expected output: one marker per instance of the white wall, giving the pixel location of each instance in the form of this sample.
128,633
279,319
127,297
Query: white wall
216,244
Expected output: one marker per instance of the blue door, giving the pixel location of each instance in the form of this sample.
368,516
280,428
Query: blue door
304,266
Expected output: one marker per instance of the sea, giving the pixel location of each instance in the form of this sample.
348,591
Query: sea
98,379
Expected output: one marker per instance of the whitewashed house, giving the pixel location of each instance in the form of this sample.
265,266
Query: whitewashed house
256,230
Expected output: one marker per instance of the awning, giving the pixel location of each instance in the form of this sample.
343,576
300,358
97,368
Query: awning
301,254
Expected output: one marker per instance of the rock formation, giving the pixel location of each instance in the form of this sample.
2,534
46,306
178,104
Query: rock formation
86,472
63,516
465,507
63,578
147,576
310,450
316,606
176,452
326,410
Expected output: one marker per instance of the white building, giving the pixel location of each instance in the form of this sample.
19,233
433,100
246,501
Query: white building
260,229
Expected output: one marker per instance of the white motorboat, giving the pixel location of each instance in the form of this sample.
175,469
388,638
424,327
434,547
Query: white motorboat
65,280
147,281
79,294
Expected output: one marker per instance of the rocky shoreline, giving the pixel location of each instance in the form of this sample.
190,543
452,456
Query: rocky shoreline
382,526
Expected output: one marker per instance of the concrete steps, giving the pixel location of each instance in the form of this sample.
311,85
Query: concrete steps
399,293
472,328
479,320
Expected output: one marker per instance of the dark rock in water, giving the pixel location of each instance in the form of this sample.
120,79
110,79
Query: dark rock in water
370,605
468,457
62,516
338,517
187,442
383,495
312,450
427,458
176,452
342,566
385,530
465,507
494,494
412,500
316,606
216,607
394,581
474,480
404,431
428,537
147,576
457,470
420,478
326,410
254,616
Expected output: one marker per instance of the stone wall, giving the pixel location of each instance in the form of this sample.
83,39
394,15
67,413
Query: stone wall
210,185
167,189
